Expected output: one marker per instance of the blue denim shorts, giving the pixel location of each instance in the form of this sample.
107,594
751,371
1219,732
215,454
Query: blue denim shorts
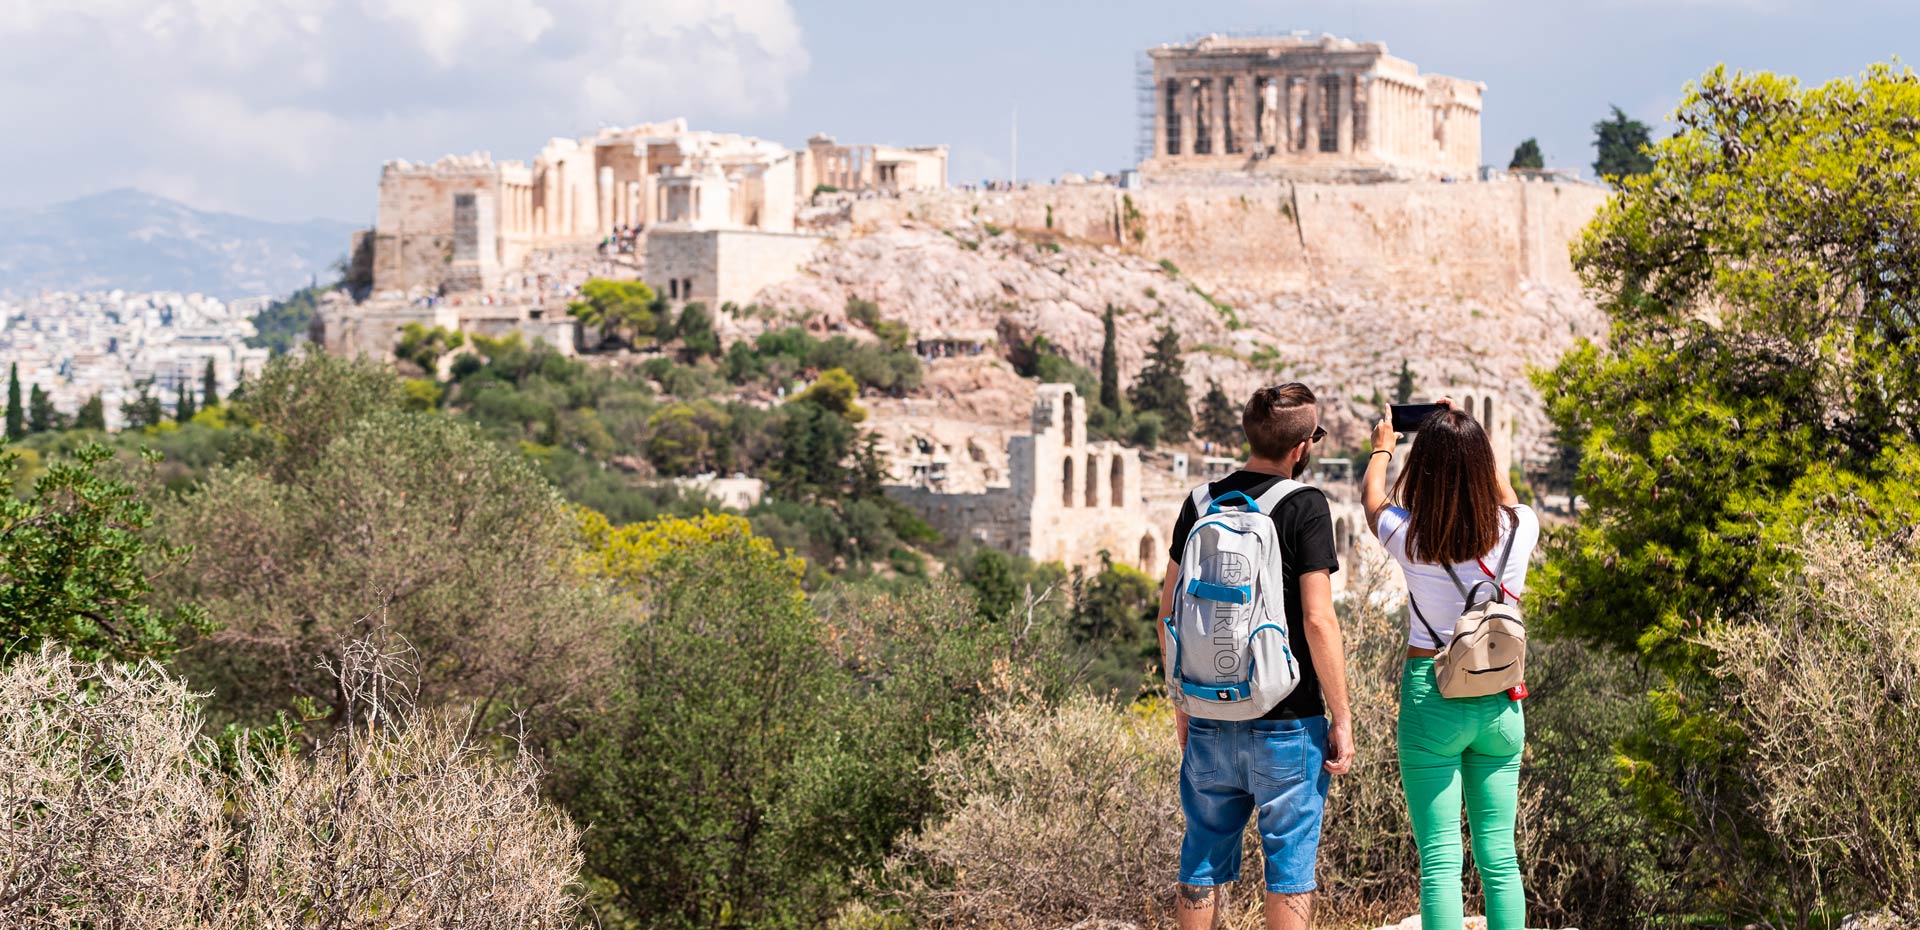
1232,769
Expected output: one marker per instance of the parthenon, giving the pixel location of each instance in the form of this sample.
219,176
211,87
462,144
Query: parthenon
1326,108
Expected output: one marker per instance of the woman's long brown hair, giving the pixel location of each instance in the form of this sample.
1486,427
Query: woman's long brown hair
1451,489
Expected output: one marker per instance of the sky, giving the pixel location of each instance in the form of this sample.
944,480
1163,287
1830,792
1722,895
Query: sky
285,109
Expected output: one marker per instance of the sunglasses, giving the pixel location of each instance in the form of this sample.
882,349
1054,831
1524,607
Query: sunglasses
1319,433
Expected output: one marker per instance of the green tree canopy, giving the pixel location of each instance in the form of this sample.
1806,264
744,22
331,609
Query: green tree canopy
1220,418
42,416
143,409
834,391
424,346
77,562
1761,373
1527,155
1621,145
695,331
621,309
1162,387
92,415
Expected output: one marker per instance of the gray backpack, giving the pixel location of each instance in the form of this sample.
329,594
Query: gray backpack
1225,651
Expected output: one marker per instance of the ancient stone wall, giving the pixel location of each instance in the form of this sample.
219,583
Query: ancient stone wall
1469,238
721,265
414,242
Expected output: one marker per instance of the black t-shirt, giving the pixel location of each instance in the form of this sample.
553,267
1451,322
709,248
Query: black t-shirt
1304,526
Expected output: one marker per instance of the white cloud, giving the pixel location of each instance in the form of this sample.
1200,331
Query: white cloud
289,106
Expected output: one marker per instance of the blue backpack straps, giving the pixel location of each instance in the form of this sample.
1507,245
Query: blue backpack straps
1246,503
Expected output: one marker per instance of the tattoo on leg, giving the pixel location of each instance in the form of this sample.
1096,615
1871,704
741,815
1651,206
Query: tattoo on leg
1301,905
1195,897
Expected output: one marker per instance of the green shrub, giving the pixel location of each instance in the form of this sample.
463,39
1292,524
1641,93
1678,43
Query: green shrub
77,562
414,523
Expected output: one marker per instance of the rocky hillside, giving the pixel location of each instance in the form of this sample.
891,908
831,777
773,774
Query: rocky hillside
1348,343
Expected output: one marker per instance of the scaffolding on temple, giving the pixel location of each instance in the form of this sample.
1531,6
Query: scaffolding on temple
1144,91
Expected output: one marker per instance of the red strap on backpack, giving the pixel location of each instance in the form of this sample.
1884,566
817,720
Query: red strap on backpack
1502,584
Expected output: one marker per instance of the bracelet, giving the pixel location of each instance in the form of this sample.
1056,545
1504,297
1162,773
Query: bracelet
1386,452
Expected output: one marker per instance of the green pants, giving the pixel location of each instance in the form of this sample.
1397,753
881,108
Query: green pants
1450,747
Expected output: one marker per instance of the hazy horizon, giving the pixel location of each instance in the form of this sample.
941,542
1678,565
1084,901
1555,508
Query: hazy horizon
285,111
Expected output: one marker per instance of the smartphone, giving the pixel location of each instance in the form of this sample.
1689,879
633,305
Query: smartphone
1408,417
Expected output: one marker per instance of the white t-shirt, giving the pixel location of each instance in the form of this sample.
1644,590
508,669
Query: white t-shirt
1434,591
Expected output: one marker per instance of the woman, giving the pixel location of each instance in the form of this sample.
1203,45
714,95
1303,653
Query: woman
1453,507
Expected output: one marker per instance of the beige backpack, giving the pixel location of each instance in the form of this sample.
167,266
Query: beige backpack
1488,652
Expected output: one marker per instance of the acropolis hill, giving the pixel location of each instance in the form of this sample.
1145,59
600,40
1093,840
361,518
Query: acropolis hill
1311,208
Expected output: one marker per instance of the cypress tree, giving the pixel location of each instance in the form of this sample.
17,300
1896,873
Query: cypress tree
1109,365
209,386
183,410
92,415
16,414
1162,387
1403,389
41,415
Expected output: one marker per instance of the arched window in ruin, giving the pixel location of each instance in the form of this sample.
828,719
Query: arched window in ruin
1066,418
1486,412
1340,541
1066,481
1148,549
1093,486
1468,406
1117,481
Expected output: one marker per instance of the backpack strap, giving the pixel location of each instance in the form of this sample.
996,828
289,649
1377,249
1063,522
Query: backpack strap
1500,574
1202,498
1281,490
1438,643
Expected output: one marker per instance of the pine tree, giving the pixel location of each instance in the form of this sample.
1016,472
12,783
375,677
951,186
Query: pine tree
1109,365
183,409
143,410
1403,389
1162,387
92,415
209,386
1621,144
1219,421
16,414
1527,155
42,417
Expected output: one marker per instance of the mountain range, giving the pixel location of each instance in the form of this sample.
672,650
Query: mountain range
137,241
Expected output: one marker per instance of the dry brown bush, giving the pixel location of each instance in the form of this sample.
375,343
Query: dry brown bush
1056,814
1826,683
110,818
118,814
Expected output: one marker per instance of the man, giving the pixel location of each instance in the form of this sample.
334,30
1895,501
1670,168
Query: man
1280,765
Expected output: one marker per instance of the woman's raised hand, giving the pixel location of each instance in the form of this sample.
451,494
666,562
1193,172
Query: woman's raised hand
1384,438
